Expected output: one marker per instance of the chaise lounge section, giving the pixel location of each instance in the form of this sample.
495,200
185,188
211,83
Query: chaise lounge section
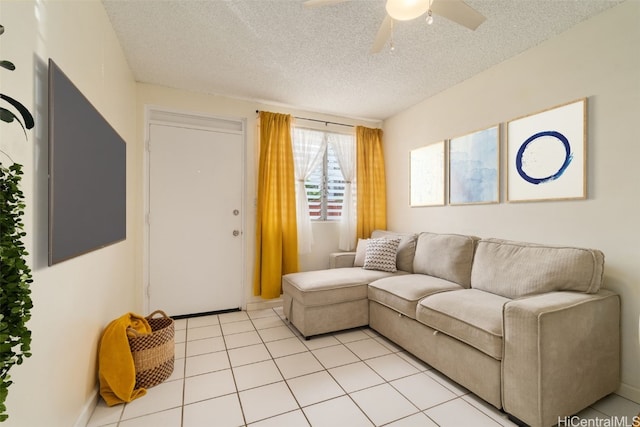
524,326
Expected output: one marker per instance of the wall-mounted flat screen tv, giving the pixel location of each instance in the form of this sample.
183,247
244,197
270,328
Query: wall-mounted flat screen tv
87,174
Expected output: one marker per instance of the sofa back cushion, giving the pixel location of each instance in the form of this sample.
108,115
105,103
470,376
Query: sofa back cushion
447,256
406,249
517,269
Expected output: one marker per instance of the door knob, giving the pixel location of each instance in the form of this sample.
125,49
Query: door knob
236,233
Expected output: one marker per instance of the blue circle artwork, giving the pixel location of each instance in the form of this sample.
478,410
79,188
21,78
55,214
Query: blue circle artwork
559,172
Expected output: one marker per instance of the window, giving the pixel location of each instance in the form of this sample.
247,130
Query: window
325,186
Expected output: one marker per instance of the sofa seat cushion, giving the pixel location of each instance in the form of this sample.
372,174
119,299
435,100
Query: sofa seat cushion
402,293
470,315
322,287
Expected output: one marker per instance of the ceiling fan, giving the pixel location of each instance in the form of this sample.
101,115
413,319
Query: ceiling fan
404,10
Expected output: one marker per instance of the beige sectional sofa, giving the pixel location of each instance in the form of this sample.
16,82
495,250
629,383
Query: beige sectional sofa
526,327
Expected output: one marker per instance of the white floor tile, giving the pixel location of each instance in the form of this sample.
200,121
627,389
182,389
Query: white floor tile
337,355
256,375
391,367
179,324
259,314
234,316
388,344
383,404
285,347
159,398
178,370
356,376
340,411
448,383
423,391
267,401
242,340
416,420
268,322
616,405
320,342
298,364
279,311
222,411
457,413
104,415
198,322
180,335
179,351
203,332
209,345
249,354
314,388
498,416
351,335
414,361
237,327
208,386
170,418
205,363
277,333
366,349
290,419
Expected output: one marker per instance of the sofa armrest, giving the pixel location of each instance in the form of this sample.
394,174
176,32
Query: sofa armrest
561,354
341,259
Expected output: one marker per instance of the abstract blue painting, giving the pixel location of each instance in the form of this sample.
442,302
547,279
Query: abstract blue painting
546,154
474,167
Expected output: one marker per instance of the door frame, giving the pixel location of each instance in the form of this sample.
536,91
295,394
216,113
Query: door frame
154,114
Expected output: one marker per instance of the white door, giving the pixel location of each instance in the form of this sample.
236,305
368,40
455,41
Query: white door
195,219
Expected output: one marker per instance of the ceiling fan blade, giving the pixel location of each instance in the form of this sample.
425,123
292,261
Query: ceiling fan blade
458,12
383,34
317,3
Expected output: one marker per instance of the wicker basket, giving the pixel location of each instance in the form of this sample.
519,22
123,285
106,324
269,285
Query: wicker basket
154,353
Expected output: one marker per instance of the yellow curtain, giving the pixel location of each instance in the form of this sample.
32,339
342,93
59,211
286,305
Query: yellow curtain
276,229
371,183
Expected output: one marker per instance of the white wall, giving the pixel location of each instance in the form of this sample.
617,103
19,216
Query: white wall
74,300
598,59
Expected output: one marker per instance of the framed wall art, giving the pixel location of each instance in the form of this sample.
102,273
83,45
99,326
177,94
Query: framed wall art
427,175
474,167
546,154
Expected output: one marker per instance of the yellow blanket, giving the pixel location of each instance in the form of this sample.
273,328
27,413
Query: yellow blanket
116,370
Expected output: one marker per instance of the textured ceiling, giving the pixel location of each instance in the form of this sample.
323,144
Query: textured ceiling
319,59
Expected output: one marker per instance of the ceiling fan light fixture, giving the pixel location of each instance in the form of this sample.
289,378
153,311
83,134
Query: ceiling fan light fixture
429,17
405,10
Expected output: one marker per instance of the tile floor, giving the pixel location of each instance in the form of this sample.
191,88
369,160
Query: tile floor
253,369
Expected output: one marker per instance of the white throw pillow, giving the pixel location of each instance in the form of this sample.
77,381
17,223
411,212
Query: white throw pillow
381,255
361,252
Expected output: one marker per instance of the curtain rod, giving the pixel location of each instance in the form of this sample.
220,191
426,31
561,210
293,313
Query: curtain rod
319,121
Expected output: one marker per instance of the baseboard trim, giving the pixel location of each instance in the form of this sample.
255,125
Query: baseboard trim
629,392
87,409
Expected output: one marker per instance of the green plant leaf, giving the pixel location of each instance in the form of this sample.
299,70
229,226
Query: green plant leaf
8,117
26,115
7,64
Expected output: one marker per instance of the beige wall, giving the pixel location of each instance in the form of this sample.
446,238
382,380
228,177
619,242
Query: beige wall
75,299
598,59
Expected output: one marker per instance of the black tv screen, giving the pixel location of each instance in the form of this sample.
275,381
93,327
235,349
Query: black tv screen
87,174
